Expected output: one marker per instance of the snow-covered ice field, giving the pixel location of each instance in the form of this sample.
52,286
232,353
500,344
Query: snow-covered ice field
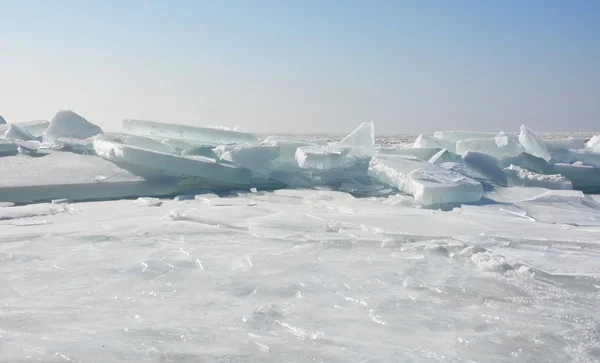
301,276
217,245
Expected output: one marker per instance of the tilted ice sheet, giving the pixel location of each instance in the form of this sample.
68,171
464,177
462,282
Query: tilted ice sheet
195,134
427,183
533,144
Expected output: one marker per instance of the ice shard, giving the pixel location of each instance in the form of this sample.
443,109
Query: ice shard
533,144
361,141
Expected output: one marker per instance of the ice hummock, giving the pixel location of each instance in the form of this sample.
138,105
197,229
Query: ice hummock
222,159
2,120
67,124
427,183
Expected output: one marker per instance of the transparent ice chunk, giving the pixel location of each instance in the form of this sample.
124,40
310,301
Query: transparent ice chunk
443,156
194,134
565,144
424,141
486,166
423,154
8,148
498,147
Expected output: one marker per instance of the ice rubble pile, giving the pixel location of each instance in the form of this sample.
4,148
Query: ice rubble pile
448,168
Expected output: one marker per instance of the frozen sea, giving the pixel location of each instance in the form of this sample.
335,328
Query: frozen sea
303,276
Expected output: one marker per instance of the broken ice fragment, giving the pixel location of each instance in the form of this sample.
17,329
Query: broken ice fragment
427,183
148,202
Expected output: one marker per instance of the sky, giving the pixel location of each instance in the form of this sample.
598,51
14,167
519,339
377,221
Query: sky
305,65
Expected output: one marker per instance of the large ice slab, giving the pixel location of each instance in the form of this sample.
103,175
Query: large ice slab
150,163
8,148
74,177
68,124
518,176
566,144
427,183
424,141
193,134
255,157
498,147
533,144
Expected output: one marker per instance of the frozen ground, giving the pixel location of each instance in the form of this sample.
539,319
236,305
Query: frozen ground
302,276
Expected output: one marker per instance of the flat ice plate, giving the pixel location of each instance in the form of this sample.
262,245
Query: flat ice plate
66,175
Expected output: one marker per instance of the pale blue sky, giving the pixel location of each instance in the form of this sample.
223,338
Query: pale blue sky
305,65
